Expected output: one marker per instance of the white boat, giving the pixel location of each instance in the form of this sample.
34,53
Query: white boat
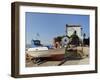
37,49
38,52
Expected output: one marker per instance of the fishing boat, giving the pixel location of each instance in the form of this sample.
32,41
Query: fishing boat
37,49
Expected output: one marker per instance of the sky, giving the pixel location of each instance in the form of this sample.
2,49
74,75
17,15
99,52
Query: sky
46,26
